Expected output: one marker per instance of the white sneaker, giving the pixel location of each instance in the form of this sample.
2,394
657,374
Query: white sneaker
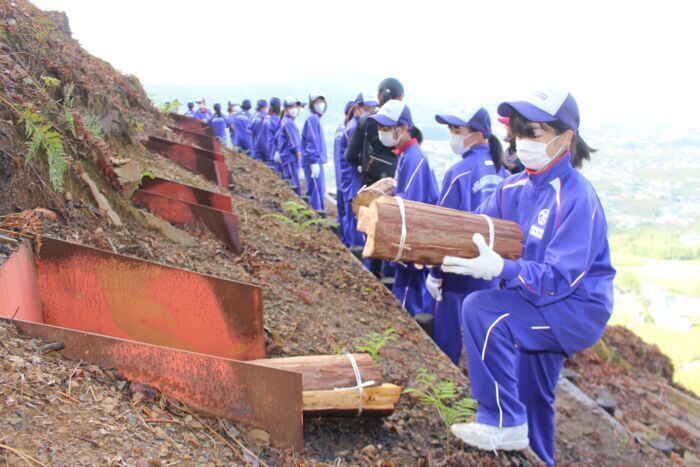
492,438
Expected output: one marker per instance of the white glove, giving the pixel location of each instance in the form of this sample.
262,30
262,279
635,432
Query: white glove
315,170
434,286
487,265
277,158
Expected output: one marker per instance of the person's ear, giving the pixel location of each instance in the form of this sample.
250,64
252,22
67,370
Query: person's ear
568,137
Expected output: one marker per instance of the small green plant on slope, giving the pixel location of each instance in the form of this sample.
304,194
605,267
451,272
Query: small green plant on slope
169,106
43,138
68,107
50,81
299,216
444,396
373,342
93,125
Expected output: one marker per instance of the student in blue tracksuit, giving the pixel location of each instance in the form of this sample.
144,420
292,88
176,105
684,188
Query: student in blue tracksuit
232,109
243,138
190,110
218,121
289,143
555,300
202,113
339,146
313,153
255,128
466,184
351,176
415,181
271,125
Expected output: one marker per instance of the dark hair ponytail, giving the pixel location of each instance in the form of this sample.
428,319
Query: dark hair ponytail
389,88
496,151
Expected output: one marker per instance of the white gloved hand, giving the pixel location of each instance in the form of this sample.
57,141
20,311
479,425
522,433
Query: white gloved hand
487,265
434,286
277,158
315,170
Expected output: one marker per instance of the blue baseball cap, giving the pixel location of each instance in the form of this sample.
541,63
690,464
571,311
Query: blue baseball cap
393,113
367,98
291,101
313,95
262,103
544,107
348,106
217,107
477,119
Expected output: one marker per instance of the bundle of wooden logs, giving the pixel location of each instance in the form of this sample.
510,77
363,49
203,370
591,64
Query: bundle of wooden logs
367,194
429,232
330,385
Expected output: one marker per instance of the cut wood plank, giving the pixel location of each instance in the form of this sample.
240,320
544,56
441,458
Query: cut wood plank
367,194
326,372
376,400
432,232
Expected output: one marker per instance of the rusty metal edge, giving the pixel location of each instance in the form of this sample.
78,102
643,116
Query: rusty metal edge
269,398
136,258
229,220
147,184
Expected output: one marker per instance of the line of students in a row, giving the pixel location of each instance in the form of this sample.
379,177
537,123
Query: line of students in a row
519,318
271,135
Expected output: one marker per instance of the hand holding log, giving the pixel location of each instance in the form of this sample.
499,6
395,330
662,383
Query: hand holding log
431,232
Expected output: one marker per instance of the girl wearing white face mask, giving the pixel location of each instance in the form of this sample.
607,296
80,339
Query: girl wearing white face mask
552,302
289,144
466,184
313,153
414,181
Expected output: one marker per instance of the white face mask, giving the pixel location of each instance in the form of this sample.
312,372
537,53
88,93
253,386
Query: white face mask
293,112
387,138
320,107
533,154
457,143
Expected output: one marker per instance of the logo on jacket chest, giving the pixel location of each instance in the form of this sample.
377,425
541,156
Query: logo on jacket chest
537,231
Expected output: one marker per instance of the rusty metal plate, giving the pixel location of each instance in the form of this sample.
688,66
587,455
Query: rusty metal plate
192,124
161,145
267,398
223,225
186,193
97,291
205,163
207,142
19,289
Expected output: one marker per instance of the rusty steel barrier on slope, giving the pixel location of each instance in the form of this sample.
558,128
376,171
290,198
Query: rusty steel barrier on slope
211,165
176,330
192,124
185,205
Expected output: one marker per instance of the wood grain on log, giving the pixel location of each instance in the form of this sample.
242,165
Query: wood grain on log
326,372
432,232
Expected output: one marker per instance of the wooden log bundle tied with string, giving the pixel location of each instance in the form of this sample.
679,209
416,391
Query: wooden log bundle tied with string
367,194
431,232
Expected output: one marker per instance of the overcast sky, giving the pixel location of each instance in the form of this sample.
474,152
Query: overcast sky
626,61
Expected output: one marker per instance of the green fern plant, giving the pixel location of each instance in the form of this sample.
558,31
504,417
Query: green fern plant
444,396
93,125
68,90
373,342
43,138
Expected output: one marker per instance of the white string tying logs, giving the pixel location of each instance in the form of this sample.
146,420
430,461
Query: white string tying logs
358,379
402,241
492,233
